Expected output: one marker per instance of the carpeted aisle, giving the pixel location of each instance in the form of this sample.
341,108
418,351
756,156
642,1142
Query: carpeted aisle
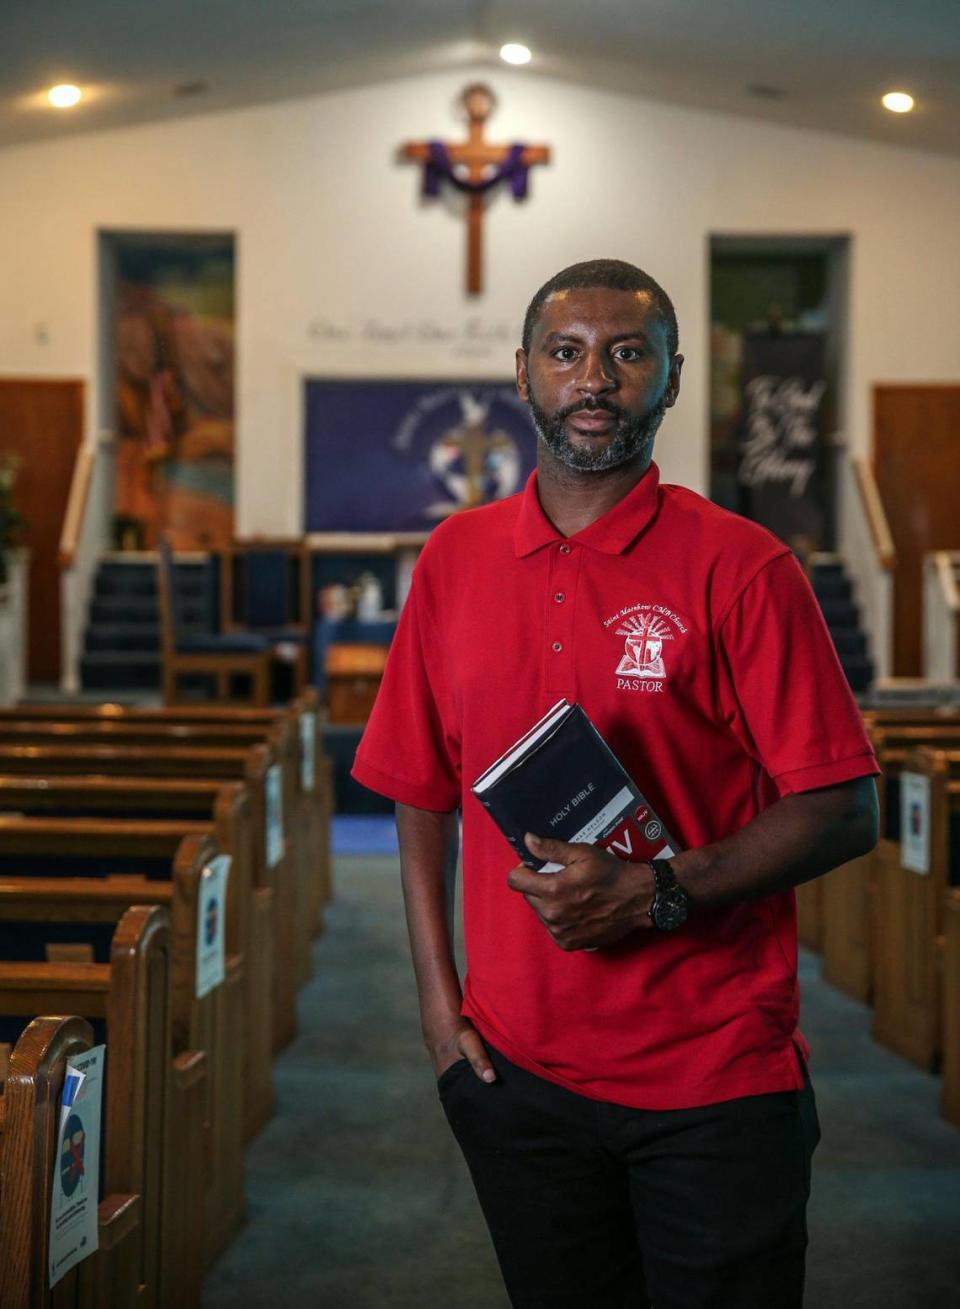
358,1198
357,1194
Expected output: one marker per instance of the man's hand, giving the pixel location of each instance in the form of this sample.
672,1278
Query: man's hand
595,900
460,1042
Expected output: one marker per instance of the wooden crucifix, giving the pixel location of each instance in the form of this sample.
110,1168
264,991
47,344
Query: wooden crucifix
481,166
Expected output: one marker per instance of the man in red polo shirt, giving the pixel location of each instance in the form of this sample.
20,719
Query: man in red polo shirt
622,1066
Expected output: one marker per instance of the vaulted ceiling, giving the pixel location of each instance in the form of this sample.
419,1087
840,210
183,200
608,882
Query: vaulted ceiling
821,64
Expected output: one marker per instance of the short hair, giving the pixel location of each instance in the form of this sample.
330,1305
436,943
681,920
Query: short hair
612,275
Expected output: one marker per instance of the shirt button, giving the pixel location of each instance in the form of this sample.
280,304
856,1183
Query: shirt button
559,597
564,549
557,647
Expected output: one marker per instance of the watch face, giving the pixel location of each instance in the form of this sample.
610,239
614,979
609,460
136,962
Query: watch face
669,911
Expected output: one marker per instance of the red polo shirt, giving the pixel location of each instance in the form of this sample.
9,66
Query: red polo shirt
694,642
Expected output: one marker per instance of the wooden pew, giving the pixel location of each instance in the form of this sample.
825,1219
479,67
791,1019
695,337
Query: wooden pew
152,1097
110,732
29,1131
250,906
309,808
909,917
836,908
203,721
305,710
213,1023
253,765
848,947
950,1089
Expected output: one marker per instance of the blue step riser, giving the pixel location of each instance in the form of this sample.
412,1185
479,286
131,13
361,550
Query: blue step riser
834,592
110,677
122,640
102,639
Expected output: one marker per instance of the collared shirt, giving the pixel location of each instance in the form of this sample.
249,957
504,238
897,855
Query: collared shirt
693,641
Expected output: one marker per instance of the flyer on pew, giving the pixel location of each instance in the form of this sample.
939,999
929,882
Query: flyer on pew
561,779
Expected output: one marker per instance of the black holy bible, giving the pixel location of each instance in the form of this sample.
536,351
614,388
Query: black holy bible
562,779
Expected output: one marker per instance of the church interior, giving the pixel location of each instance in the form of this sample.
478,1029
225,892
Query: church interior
264,274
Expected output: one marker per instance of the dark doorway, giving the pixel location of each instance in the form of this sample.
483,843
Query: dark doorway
777,320
915,447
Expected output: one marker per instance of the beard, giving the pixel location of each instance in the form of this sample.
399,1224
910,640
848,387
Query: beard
634,433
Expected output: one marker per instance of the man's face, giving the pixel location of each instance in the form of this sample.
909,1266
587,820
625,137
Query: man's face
598,377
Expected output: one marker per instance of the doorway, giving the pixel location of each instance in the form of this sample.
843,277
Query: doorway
777,344
41,427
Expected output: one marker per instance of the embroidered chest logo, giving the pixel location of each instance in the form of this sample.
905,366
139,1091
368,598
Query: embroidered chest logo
646,629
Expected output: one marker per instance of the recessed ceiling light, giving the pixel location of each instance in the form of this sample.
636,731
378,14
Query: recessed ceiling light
513,53
898,102
65,96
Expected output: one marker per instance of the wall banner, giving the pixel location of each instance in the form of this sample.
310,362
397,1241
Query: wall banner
781,436
401,456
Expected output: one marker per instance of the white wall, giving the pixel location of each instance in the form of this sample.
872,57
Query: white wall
331,233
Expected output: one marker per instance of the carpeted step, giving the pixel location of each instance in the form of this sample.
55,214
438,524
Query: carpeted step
849,641
109,670
840,613
834,588
119,637
142,609
130,582
858,670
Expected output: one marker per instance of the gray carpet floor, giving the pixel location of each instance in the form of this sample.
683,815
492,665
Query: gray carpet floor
358,1198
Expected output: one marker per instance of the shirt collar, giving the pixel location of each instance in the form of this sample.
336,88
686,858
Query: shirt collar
611,533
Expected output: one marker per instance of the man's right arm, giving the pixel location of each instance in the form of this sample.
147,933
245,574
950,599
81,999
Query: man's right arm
428,845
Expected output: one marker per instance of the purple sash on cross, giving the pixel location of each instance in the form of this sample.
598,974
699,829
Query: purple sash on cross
438,166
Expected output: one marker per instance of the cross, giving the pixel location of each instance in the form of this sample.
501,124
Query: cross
475,443
484,164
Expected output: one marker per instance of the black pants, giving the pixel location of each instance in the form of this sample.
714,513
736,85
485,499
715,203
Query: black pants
596,1206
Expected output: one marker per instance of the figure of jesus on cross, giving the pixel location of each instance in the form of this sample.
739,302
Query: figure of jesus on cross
484,166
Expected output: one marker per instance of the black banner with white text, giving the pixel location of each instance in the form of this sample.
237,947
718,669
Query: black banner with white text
781,434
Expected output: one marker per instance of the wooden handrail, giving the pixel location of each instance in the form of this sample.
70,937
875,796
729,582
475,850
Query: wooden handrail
874,512
947,564
76,503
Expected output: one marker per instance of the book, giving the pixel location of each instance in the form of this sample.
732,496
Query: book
561,779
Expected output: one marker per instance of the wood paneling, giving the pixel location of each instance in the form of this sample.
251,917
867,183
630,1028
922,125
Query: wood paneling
916,455
41,420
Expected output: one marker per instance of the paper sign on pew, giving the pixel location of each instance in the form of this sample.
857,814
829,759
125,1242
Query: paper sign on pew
76,1173
274,807
308,736
212,917
915,822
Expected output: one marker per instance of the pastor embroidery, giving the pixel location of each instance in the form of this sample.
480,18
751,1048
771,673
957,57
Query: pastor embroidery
645,629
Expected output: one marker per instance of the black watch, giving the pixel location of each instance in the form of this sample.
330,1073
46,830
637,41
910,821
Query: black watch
670,905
